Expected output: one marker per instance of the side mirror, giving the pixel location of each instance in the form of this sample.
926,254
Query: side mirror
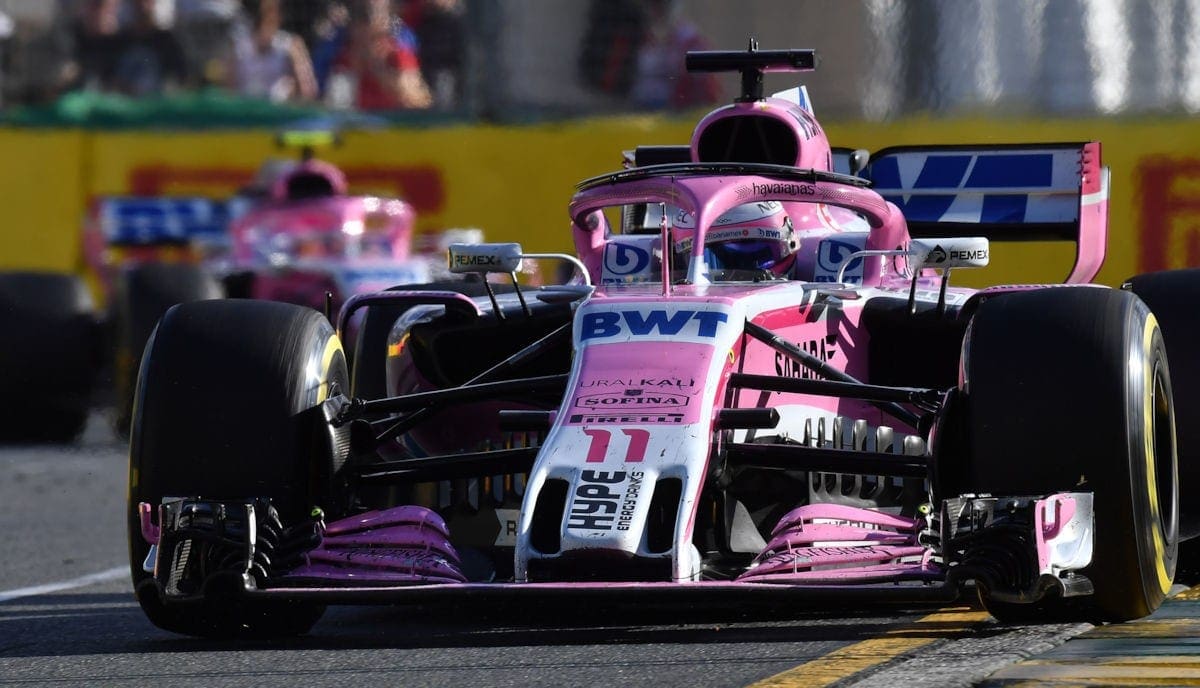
943,254
483,258
501,258
859,157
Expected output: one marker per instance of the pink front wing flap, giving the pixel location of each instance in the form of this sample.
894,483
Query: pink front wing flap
401,545
830,543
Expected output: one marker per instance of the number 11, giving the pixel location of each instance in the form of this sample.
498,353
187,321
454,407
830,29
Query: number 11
634,453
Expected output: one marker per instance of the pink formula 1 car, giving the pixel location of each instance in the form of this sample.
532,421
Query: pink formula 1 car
312,239
758,387
300,238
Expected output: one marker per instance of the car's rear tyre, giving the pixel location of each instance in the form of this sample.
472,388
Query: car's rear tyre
1068,389
227,407
143,294
49,351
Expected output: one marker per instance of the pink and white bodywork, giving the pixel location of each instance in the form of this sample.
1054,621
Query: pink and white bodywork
652,373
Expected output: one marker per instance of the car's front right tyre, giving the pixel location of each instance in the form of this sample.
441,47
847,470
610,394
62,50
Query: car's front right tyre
226,409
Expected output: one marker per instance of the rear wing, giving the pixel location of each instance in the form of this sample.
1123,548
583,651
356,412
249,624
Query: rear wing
1005,192
154,221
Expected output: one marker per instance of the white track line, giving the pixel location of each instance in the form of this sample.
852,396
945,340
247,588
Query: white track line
91,578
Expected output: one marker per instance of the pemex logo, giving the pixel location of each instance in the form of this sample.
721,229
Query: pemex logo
937,255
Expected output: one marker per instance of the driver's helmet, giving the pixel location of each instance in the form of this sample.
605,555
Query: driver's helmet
309,179
751,238
752,248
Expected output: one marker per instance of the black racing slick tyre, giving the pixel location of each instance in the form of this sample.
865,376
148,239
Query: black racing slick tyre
49,352
227,407
143,294
1068,389
1172,297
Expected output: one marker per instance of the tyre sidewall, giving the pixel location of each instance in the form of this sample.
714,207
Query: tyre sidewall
1172,296
1157,523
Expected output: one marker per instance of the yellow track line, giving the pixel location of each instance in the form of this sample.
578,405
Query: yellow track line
1134,653
1109,671
849,660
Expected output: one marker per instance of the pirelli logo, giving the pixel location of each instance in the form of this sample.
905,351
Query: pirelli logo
621,418
1169,213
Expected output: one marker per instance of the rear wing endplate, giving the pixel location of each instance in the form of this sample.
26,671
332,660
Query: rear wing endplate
1005,192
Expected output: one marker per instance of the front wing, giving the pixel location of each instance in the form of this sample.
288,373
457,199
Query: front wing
1020,548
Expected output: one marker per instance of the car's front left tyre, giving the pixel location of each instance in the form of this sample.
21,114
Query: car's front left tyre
1068,390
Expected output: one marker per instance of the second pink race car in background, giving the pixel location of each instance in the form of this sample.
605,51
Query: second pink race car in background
298,236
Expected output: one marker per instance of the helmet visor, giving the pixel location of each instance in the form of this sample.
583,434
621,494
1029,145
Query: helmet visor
746,254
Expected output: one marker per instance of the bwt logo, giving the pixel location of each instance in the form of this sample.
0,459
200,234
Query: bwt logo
623,259
639,324
831,254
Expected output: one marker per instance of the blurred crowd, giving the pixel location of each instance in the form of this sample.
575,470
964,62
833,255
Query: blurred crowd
347,54
635,49
365,55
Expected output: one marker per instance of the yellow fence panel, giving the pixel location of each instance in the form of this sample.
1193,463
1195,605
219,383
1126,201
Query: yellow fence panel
515,182
41,192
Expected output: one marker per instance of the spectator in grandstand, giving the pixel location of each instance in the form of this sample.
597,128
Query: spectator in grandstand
381,70
440,28
304,18
608,55
218,10
660,78
93,45
635,49
269,62
329,30
148,59
7,25
205,29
